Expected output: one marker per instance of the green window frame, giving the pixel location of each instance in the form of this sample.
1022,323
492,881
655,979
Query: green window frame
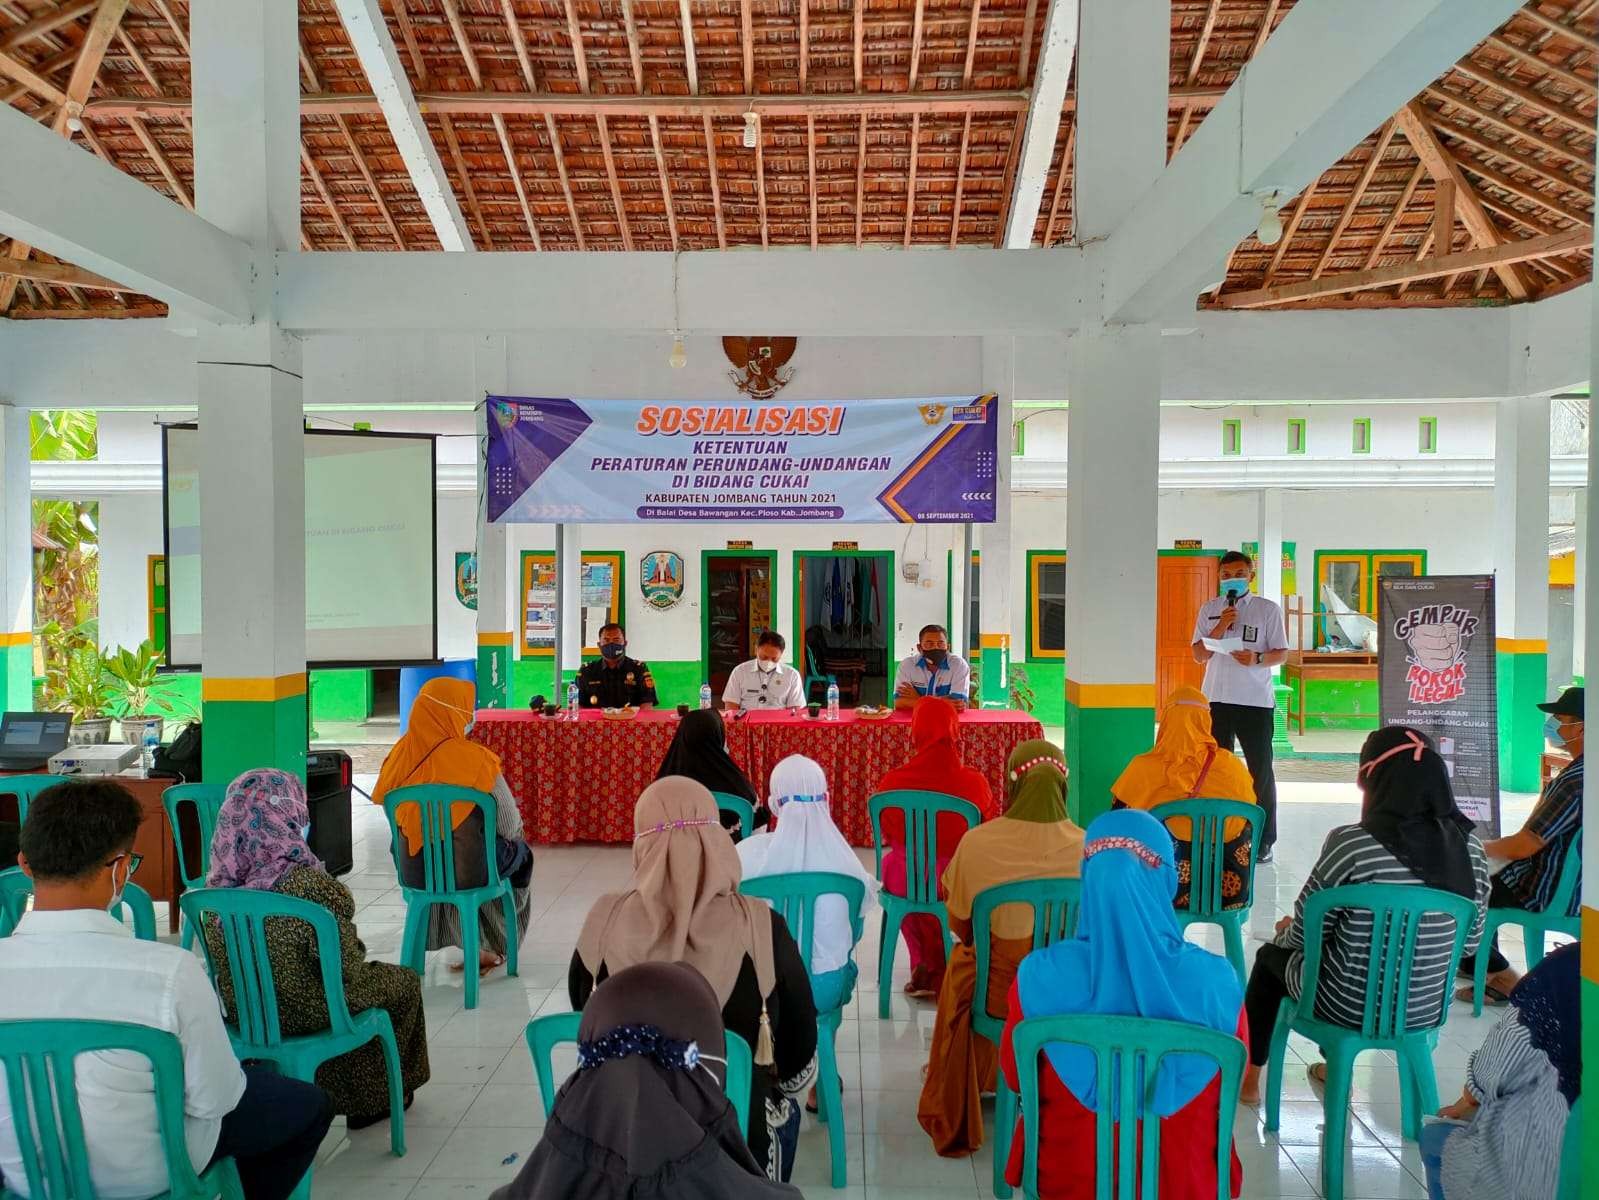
1232,437
1018,447
1368,566
1360,442
1042,610
1296,435
1427,436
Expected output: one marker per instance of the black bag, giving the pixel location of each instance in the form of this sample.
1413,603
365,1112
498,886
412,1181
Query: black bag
181,758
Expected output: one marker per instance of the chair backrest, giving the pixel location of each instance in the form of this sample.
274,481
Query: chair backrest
15,888
545,1033
1570,1187
435,804
38,1060
1127,1052
25,788
793,896
921,810
1208,845
240,915
1054,903
727,802
1569,886
206,801
1397,911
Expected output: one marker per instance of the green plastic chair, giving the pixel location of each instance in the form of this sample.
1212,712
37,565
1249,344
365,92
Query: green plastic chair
254,1026
1127,1051
206,801
545,1033
1054,903
793,896
921,810
26,787
55,1160
15,888
434,802
1397,911
1535,926
741,808
1206,860
1570,1187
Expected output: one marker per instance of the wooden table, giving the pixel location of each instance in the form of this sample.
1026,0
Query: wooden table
158,873
1306,666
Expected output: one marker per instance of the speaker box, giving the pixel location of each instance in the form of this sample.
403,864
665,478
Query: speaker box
327,788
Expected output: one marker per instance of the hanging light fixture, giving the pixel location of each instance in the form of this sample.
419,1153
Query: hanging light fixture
752,129
1269,231
678,359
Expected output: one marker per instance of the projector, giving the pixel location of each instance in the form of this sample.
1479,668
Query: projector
109,759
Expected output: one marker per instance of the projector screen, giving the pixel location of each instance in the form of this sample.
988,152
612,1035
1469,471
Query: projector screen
371,596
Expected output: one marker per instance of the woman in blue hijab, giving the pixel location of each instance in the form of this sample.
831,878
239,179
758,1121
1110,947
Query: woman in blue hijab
1128,959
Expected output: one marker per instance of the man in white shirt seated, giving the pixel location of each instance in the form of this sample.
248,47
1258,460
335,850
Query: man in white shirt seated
932,671
69,960
766,681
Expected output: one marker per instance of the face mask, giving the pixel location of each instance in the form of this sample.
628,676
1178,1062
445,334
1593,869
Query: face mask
764,667
117,888
1234,588
1551,730
612,651
936,658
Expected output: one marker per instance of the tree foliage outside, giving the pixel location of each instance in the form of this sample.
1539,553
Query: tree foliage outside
66,564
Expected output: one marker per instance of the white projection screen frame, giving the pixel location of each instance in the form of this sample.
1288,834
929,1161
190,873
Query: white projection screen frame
371,563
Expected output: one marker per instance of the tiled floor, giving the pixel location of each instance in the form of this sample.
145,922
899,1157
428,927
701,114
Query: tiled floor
471,1127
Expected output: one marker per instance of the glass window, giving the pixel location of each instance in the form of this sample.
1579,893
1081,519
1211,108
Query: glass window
1428,440
1051,631
1347,580
1232,437
1362,438
1296,435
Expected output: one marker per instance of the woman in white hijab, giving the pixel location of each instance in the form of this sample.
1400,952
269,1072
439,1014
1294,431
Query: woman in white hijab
807,840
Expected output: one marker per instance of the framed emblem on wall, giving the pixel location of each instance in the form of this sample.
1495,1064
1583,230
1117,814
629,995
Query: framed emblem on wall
466,578
661,579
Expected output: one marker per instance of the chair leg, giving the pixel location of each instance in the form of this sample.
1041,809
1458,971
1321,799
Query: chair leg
1423,1081
1233,934
469,949
391,1060
1479,969
513,932
885,958
302,1190
1335,1109
1534,940
943,927
186,938
1274,1067
414,941
1410,1109
1004,1130
830,1103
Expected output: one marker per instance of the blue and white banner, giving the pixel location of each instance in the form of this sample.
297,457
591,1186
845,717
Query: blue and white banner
917,460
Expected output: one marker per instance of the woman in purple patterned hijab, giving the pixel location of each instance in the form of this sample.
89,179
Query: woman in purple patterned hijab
261,832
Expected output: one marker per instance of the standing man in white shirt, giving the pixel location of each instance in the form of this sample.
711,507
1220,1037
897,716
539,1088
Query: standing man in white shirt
1239,684
766,681
932,671
68,959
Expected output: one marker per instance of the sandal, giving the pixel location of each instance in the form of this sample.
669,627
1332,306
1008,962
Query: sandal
1493,996
483,968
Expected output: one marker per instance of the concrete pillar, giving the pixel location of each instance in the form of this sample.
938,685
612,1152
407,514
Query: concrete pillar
1112,471
993,667
568,605
1521,564
1588,551
1269,583
16,563
1579,598
498,585
1123,78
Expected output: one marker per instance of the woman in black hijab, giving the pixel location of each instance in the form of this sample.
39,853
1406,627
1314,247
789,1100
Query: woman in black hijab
699,751
646,1113
1411,809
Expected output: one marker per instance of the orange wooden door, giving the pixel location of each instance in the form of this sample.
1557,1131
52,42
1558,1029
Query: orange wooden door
1182,583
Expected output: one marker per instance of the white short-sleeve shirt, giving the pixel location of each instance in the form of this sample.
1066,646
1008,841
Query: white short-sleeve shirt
953,680
83,965
748,687
1260,627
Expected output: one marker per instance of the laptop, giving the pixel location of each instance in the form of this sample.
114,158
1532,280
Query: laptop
28,740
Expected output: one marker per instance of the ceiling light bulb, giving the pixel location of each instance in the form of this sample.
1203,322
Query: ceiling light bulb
1270,230
678,359
75,124
751,129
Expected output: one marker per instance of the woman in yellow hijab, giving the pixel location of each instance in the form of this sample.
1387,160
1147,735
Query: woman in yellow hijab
1187,763
435,749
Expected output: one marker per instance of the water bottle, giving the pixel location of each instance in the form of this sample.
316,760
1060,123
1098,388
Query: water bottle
832,698
705,695
571,701
147,754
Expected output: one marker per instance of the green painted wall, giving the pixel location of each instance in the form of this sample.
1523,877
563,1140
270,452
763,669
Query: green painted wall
1100,742
1340,696
1047,678
1523,680
677,681
341,695
243,734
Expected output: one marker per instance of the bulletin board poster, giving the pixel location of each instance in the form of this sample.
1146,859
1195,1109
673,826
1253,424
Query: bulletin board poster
1290,567
539,592
928,459
1436,673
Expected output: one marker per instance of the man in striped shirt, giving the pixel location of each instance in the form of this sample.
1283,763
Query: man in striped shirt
1537,852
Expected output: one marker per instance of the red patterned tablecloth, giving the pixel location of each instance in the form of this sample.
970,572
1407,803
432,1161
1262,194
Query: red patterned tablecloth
578,781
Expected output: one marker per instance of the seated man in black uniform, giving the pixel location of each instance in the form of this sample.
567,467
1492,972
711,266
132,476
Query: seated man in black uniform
614,679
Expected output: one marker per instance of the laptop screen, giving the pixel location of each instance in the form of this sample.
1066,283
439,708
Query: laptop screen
22,732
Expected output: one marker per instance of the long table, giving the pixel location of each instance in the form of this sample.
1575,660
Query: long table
577,781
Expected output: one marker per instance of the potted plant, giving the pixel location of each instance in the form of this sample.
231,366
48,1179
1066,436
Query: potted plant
139,691
85,691
1021,692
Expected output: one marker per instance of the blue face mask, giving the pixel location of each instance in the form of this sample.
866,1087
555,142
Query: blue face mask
612,651
1234,588
1551,730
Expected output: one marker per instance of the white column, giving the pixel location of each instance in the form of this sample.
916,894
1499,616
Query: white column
994,541
1123,76
1579,598
1269,567
1521,566
1112,471
16,564
568,603
498,584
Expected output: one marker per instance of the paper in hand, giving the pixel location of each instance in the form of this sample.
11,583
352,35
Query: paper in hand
1224,645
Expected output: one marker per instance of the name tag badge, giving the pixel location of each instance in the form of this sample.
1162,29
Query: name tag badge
1251,633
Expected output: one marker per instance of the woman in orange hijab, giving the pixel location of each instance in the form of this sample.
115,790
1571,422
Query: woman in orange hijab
435,749
1187,763
935,767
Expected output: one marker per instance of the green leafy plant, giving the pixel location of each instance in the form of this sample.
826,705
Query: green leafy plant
1021,692
80,684
138,689
66,554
